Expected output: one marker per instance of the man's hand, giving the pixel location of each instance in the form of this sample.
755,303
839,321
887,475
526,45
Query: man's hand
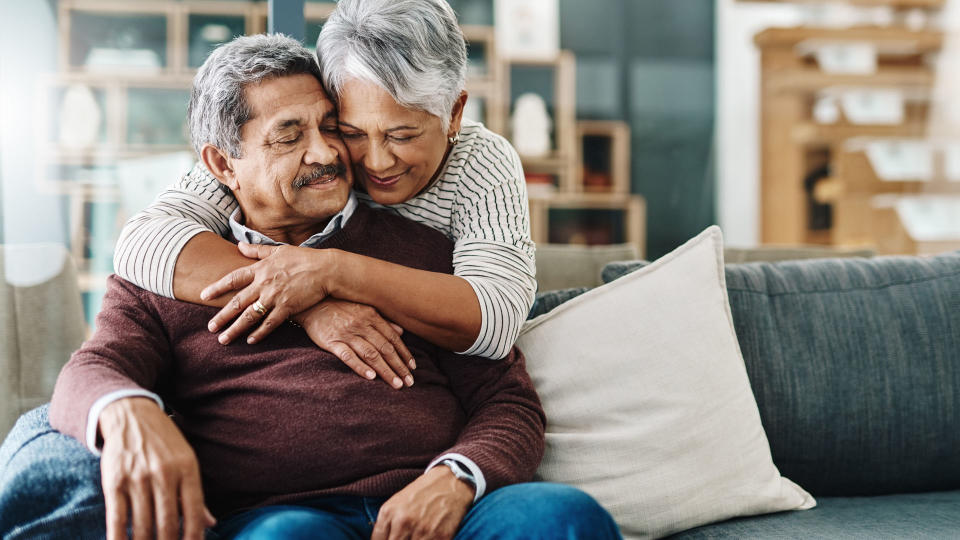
431,507
149,471
286,281
361,339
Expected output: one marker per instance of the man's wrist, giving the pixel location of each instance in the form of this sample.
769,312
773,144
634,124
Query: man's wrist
461,472
118,414
464,488
92,437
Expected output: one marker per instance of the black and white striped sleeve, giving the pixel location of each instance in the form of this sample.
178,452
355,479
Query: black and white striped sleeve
493,250
151,240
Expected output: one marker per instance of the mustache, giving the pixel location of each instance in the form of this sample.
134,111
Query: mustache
318,172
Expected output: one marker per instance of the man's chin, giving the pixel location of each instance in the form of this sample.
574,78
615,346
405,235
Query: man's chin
326,196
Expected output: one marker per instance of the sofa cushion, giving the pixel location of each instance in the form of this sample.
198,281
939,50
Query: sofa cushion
916,516
546,301
855,365
649,406
562,266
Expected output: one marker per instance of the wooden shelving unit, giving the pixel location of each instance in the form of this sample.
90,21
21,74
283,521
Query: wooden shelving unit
566,164
632,209
608,172
791,81
81,173
865,204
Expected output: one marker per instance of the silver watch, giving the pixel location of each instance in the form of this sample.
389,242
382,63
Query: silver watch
460,471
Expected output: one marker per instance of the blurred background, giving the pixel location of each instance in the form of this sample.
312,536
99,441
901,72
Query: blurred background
824,126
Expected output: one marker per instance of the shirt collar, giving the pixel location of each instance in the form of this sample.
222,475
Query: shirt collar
242,233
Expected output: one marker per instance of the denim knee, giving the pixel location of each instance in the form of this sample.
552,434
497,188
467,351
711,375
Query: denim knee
539,510
49,483
291,523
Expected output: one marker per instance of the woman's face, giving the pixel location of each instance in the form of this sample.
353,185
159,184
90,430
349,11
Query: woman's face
396,151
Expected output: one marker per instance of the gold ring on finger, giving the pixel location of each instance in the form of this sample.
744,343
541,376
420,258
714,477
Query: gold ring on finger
259,308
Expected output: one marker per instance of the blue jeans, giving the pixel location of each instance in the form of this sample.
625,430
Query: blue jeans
531,511
50,488
49,484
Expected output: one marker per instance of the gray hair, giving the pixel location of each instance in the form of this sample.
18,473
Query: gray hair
413,49
218,105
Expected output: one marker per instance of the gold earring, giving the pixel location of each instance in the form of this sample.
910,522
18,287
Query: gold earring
455,139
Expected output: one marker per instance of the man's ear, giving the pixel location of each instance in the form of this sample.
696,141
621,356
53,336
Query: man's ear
220,166
456,115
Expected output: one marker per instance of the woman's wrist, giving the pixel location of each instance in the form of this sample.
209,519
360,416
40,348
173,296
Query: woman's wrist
335,272
327,280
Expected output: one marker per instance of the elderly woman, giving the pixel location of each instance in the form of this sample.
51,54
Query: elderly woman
396,69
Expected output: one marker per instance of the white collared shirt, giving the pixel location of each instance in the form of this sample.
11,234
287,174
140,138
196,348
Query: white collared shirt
242,233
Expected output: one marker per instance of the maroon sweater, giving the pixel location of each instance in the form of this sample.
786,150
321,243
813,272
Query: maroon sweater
283,419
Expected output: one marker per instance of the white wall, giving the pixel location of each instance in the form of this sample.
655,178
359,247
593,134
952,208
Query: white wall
28,40
738,121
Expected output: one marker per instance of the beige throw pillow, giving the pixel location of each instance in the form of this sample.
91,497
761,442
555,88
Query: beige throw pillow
648,404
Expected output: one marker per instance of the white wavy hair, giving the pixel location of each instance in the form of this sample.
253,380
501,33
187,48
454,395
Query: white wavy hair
413,49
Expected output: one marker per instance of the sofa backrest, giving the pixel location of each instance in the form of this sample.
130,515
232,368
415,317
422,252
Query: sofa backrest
562,266
855,364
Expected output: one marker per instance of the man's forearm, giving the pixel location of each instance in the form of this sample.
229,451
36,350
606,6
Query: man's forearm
206,258
441,308
504,434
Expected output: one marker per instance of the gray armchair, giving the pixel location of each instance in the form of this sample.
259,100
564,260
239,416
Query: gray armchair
41,324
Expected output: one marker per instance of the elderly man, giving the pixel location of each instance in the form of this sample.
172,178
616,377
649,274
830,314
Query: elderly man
280,439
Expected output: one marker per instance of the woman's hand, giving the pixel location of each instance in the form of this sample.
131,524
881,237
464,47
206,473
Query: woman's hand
361,339
286,281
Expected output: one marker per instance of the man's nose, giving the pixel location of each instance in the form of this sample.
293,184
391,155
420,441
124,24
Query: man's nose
378,159
319,149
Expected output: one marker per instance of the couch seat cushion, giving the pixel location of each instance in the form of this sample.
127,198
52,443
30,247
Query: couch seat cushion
917,516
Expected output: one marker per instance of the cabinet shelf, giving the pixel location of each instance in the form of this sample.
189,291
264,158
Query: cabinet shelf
808,133
806,80
892,38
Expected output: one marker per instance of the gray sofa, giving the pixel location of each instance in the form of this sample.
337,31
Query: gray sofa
855,365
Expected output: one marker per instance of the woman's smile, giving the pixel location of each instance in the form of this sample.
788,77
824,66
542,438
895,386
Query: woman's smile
385,181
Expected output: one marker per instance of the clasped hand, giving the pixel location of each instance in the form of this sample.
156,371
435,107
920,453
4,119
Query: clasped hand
293,283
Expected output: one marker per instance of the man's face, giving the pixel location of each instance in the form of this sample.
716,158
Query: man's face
295,170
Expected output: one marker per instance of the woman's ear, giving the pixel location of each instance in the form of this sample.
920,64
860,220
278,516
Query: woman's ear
219,164
456,115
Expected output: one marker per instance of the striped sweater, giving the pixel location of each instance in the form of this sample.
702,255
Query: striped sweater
479,201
